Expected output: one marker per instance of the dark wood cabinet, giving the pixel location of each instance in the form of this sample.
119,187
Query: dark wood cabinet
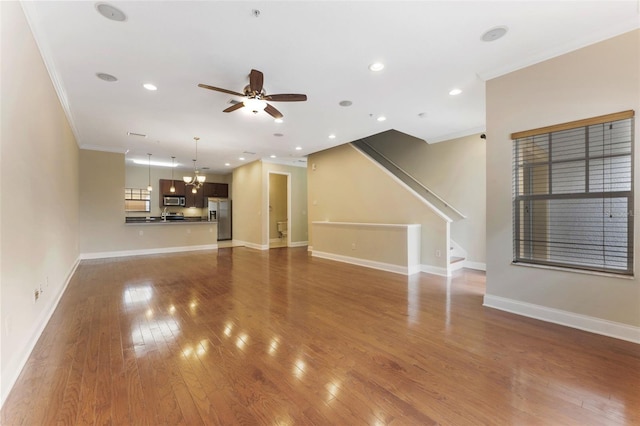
165,187
194,200
217,190
199,199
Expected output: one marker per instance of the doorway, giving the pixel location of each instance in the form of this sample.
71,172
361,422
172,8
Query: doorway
279,210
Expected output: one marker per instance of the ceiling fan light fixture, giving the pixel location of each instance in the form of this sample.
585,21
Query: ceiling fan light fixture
255,105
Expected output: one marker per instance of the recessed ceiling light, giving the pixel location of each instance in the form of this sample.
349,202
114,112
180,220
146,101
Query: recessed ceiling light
227,164
111,12
376,66
149,86
345,103
106,77
494,34
455,92
332,136
272,156
298,148
279,120
381,118
241,158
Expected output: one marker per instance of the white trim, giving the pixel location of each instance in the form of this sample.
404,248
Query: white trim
398,269
293,162
251,245
435,270
479,266
457,135
309,248
570,46
566,318
299,244
11,373
142,252
40,39
456,266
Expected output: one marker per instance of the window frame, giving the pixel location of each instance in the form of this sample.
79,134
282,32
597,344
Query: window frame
523,240
137,194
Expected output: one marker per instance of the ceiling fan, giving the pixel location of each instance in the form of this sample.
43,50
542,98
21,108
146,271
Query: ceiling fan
256,97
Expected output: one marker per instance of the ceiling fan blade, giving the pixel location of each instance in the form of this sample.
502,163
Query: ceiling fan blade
273,112
256,80
285,97
217,89
234,107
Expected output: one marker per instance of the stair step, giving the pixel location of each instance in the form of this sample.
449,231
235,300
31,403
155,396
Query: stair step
455,259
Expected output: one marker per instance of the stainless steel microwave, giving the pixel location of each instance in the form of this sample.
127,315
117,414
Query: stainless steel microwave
173,201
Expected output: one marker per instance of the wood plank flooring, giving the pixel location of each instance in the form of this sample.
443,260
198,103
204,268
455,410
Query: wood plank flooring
239,336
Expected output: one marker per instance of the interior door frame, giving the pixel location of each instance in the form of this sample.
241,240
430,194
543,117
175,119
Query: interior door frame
289,218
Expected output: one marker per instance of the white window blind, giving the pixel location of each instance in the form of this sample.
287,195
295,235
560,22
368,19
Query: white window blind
573,194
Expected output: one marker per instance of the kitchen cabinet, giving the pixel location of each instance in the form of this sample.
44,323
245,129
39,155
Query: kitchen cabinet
194,200
165,187
215,190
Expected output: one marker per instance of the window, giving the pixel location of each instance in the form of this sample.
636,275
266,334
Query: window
573,194
137,200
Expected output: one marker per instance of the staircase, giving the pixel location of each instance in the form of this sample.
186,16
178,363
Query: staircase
457,254
428,195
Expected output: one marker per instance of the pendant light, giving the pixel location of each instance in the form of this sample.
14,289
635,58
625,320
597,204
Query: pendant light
173,186
197,180
149,188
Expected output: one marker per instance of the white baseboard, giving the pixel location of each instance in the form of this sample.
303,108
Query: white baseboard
566,318
251,245
479,266
11,373
435,270
398,269
142,252
298,243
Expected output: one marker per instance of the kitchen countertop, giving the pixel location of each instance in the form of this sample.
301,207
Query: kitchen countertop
157,220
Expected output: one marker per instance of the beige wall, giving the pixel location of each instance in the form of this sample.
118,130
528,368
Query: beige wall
102,227
600,79
247,203
455,171
39,194
345,186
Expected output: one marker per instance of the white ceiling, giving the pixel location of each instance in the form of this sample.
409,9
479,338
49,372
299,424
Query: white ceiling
319,48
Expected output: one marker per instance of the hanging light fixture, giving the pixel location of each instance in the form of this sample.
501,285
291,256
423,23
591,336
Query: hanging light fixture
149,188
197,180
173,186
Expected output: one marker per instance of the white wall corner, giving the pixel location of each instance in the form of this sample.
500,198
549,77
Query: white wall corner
569,319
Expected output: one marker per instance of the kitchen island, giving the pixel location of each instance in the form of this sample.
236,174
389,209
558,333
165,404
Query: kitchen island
158,220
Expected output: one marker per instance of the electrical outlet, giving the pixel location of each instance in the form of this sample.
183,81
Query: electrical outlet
141,233
36,295
438,253
353,246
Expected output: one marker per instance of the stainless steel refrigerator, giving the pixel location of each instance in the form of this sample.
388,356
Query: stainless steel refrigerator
220,212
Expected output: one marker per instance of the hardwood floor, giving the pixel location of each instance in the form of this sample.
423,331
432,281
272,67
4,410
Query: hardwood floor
239,336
